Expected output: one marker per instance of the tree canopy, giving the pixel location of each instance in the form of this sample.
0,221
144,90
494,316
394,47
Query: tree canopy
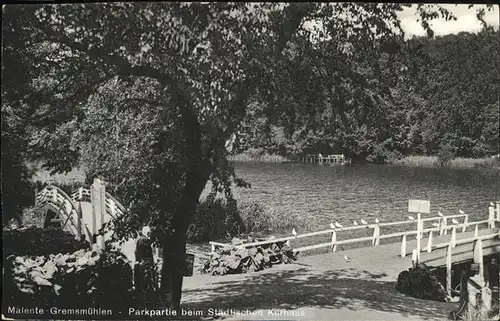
154,96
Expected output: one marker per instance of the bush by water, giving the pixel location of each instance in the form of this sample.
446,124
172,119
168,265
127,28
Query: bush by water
419,282
218,218
233,260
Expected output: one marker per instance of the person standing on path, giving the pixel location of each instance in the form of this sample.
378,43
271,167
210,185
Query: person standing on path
143,264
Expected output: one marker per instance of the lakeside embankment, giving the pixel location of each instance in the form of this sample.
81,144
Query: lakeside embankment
419,161
485,162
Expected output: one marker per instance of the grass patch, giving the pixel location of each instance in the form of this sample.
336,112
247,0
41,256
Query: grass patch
219,219
477,313
475,162
422,161
265,158
258,155
258,218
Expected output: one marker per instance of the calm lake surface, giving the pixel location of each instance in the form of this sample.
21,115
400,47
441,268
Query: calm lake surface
327,193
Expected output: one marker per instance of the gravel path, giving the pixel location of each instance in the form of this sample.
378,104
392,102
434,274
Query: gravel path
318,287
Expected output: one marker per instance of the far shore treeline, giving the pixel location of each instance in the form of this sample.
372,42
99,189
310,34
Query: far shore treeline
442,99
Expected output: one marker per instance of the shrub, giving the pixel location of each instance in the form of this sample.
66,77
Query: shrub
79,280
215,218
384,154
35,241
233,260
259,218
445,155
420,283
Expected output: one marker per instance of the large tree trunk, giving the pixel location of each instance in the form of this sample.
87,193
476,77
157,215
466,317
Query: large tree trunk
174,247
199,166
197,174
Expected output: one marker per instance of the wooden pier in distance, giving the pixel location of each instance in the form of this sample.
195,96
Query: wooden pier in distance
327,159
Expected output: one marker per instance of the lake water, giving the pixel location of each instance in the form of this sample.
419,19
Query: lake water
323,193
326,193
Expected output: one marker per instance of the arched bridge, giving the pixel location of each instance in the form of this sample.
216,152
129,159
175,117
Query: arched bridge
84,214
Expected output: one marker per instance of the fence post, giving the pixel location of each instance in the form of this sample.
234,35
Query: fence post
453,240
403,246
448,269
466,222
98,201
419,229
334,241
445,226
376,235
429,243
491,216
213,247
414,257
498,210
478,256
476,230
464,278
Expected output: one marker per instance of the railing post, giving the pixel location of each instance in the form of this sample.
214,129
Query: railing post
403,246
98,201
414,257
54,195
445,226
478,256
419,231
466,222
453,240
448,269
476,230
491,216
334,241
376,235
429,243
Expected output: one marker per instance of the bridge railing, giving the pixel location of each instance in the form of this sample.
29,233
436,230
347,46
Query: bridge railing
66,207
334,241
477,252
441,225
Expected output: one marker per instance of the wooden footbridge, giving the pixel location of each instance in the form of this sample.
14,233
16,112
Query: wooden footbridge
440,242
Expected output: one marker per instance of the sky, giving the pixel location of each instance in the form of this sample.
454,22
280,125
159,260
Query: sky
466,20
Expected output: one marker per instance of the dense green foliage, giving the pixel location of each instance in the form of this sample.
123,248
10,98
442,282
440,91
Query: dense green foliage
215,219
77,280
36,241
419,282
233,260
218,218
15,184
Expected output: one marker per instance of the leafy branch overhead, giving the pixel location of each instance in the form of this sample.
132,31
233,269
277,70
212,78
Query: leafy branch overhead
157,90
